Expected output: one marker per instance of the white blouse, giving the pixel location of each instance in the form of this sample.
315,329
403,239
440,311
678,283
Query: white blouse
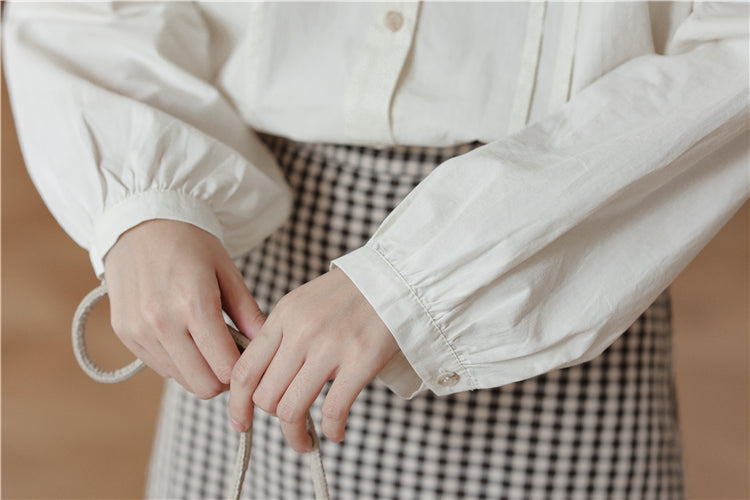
531,253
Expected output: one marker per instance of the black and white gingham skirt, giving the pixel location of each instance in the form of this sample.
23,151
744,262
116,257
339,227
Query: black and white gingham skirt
605,429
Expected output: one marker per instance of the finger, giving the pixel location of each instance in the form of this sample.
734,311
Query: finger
247,373
296,435
158,360
193,366
237,301
173,372
294,405
347,385
280,372
214,342
238,426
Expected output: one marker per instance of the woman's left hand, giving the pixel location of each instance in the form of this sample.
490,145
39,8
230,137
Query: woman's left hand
323,330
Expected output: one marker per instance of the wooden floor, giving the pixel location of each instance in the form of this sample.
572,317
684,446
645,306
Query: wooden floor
64,436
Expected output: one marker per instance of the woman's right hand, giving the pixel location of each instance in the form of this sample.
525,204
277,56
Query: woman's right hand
168,282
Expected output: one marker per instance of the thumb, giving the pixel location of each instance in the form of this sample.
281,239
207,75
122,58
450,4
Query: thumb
237,301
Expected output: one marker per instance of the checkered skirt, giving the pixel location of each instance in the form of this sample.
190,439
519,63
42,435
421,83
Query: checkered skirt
603,429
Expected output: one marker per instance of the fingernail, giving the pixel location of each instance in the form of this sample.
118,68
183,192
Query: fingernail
236,426
308,447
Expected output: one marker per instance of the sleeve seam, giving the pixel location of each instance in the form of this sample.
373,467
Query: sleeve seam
413,293
138,194
113,220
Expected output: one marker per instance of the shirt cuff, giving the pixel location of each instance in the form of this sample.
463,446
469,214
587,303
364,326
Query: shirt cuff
144,206
432,362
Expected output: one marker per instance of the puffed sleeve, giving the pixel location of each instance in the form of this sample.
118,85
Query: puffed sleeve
120,122
537,251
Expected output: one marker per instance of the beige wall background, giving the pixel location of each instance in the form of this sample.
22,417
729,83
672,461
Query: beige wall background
64,436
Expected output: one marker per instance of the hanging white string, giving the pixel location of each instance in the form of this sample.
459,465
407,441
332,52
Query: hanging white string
243,450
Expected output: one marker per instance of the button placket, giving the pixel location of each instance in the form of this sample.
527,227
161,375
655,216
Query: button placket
376,72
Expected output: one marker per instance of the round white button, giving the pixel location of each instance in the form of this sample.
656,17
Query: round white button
394,20
448,379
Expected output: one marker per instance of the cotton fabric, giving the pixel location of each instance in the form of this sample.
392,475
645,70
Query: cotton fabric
532,253
606,429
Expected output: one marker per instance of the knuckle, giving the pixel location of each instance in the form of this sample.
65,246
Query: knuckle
332,430
334,411
224,373
133,331
139,335
298,446
304,332
154,315
209,390
189,305
204,305
242,374
290,412
308,331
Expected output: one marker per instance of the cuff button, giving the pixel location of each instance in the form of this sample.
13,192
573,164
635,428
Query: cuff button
448,379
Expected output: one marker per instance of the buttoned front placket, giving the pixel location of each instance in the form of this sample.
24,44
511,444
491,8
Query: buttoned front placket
387,43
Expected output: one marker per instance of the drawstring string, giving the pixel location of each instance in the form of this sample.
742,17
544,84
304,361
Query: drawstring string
79,343
111,377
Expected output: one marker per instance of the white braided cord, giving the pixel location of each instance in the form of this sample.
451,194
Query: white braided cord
79,343
111,377
315,460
